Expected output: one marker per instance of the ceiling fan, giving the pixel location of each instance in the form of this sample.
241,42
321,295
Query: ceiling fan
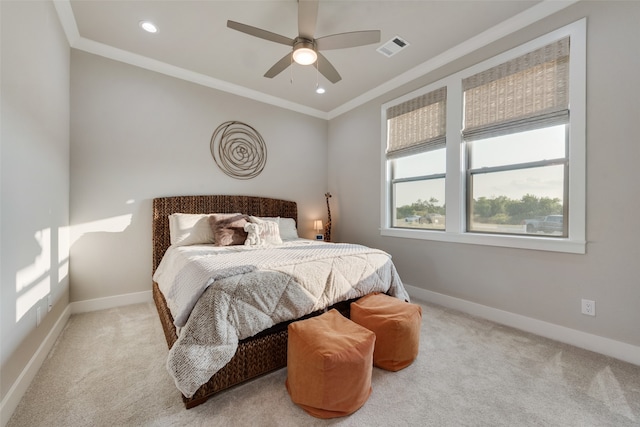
305,47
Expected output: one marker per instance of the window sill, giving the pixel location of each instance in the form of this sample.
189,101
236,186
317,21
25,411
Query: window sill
506,241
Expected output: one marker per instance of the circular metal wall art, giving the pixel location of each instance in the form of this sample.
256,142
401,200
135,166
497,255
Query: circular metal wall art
239,150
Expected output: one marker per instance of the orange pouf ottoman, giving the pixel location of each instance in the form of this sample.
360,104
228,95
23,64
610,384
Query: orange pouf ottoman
396,324
329,365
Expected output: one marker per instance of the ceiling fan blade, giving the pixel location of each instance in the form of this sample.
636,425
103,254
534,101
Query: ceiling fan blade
344,40
279,66
260,33
307,18
327,70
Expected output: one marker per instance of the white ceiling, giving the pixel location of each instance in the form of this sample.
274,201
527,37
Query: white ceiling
195,44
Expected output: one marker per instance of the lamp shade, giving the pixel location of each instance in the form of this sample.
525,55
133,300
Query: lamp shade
317,224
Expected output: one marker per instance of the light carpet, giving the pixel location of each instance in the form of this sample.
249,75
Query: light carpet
108,369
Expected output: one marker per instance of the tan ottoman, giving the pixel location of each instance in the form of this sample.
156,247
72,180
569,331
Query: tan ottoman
329,365
396,324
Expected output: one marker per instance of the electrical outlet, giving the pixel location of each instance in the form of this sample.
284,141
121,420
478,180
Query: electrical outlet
588,307
49,303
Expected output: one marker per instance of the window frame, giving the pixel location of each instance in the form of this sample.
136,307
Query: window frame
456,168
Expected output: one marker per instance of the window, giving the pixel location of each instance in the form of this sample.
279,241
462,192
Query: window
497,150
515,117
416,153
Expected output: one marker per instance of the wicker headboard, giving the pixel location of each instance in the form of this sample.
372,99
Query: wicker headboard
250,205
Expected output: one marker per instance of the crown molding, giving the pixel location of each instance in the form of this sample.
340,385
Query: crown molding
147,63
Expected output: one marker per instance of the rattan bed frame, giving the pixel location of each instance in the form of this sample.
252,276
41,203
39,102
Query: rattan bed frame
257,355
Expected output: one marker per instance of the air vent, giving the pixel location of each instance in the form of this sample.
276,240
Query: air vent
393,46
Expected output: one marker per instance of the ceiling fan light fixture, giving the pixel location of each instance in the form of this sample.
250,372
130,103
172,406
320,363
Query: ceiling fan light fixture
305,47
304,53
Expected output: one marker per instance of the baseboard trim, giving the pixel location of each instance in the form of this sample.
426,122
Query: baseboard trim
20,386
608,347
111,302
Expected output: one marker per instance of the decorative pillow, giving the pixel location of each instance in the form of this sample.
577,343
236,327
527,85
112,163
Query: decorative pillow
190,229
268,218
262,232
287,226
228,229
288,229
253,236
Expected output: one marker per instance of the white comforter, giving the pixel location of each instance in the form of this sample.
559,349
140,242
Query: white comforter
222,295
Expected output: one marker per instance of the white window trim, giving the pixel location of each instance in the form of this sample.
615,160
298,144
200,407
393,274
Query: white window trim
455,181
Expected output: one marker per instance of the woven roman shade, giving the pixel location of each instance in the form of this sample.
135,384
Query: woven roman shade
417,125
528,92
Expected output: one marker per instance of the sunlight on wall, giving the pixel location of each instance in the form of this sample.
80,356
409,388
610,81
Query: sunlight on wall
63,253
109,225
34,282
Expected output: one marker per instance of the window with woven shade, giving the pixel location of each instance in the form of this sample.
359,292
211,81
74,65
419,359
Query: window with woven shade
416,142
515,126
503,142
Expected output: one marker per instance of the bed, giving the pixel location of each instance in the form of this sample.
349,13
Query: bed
265,350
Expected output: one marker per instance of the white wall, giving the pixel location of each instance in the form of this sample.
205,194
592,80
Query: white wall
539,285
136,135
34,172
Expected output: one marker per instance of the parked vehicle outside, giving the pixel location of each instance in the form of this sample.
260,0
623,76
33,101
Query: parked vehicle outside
431,218
547,224
412,218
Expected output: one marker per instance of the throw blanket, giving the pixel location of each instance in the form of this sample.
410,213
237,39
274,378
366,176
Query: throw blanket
257,289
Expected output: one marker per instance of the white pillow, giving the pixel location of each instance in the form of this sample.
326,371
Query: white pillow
262,233
287,226
267,218
190,229
288,229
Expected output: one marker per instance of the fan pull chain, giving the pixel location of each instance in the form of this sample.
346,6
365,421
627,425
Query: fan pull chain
319,90
291,71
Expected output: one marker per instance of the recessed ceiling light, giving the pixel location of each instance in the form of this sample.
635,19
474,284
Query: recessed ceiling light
148,26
